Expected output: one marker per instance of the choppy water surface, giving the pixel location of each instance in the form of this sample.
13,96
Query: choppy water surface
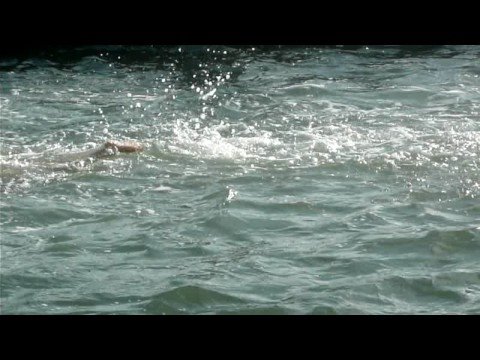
273,181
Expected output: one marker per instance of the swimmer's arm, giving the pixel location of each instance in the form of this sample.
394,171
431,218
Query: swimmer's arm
108,148
111,147
125,147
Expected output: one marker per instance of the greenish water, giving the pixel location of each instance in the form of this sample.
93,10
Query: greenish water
273,181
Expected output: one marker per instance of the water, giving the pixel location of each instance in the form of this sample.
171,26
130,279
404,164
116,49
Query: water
298,180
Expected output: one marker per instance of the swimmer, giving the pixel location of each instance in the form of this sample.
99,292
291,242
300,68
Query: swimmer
61,161
110,147
15,171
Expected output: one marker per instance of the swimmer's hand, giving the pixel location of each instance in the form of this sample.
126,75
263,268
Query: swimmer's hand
125,147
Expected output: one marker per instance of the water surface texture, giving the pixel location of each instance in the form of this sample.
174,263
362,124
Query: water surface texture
279,180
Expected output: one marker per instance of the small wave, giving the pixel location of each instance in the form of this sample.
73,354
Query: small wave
191,300
415,292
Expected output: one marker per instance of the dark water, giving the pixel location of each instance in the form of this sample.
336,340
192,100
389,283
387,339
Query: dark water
274,181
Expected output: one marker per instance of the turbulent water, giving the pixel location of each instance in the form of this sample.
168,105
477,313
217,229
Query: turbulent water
274,180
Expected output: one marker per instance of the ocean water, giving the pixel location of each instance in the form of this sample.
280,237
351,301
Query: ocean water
274,180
